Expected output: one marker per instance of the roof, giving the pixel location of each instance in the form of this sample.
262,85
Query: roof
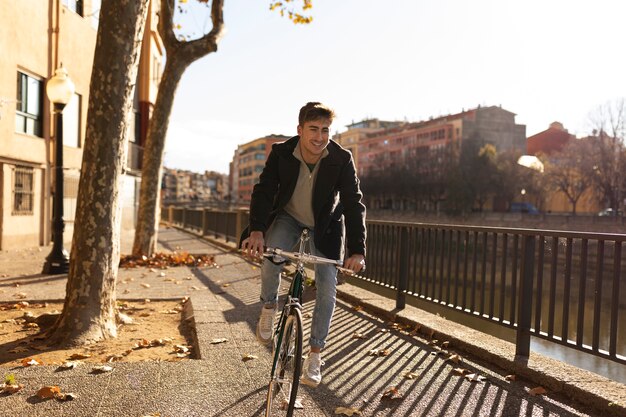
549,141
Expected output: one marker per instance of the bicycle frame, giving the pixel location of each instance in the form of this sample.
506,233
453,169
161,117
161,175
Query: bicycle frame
293,297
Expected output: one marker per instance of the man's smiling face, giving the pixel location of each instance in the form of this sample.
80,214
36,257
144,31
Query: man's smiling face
314,136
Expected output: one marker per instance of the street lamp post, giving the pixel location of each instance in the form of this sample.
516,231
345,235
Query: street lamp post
60,90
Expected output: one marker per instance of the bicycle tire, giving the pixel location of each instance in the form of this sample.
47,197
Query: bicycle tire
283,387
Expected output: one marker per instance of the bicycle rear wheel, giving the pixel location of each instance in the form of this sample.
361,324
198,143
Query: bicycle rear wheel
283,386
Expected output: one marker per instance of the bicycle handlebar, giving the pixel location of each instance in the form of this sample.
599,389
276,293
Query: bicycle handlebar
305,258
301,257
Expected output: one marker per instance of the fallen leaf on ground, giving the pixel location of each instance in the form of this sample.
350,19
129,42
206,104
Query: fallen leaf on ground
226,285
307,315
461,371
248,357
79,356
433,342
538,391
379,352
26,362
101,369
145,285
10,388
20,295
69,365
510,377
160,342
220,340
445,344
69,396
455,358
181,349
114,358
411,375
357,308
475,378
347,411
48,392
357,335
391,394
297,404
144,343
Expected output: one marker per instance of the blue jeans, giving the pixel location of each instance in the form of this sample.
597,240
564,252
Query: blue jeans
284,233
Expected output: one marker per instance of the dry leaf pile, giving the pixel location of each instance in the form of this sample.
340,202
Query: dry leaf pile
165,260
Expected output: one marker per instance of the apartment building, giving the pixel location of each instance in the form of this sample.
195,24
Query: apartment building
247,165
180,185
426,140
36,38
356,132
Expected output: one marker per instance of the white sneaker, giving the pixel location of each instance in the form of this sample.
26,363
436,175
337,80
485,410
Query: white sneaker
311,372
265,326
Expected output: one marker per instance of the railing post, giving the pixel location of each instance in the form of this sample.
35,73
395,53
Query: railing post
205,223
403,270
239,224
184,217
170,212
525,301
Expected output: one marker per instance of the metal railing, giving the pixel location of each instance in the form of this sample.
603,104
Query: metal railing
224,224
560,286
564,287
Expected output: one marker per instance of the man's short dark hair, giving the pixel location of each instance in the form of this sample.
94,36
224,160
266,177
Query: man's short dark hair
314,110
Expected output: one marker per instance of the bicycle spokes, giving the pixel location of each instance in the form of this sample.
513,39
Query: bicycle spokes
281,397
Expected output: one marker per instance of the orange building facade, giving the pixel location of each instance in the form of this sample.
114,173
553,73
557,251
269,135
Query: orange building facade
247,165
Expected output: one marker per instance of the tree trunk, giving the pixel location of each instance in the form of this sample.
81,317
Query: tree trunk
89,310
146,230
180,55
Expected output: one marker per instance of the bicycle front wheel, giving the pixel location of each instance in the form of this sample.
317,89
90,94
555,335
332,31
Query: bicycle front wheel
283,386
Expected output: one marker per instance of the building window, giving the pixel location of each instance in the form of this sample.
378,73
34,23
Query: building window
71,122
74,5
23,195
28,115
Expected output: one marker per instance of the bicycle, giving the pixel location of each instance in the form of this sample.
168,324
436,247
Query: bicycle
287,337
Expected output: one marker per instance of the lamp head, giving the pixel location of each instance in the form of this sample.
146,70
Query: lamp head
60,88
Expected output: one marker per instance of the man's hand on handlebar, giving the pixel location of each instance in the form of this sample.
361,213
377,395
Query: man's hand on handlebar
254,244
355,263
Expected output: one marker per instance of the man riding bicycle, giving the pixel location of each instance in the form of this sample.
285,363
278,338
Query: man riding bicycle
309,181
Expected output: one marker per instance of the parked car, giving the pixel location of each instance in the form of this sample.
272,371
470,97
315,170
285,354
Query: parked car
609,212
523,208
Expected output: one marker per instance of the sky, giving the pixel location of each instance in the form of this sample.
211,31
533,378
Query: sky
544,60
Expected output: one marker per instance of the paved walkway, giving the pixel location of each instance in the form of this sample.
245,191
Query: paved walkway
225,304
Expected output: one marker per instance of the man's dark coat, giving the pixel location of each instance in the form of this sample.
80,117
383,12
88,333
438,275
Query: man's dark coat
336,193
